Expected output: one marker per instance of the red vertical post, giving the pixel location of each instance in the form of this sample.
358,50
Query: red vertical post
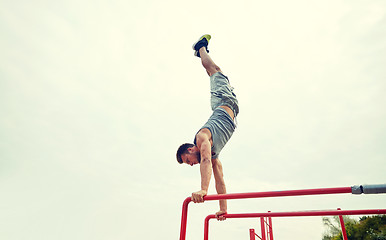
184,218
262,228
206,227
269,224
342,226
270,228
252,234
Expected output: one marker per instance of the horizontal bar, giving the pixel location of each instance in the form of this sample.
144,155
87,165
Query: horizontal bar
293,214
302,192
302,213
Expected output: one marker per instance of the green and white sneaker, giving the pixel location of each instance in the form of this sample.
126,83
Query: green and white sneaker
203,41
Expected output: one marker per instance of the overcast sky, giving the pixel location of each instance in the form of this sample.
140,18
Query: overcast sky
96,97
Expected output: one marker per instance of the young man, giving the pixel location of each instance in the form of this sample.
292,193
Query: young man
215,133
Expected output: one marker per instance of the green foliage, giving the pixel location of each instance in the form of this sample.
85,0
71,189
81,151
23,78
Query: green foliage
367,228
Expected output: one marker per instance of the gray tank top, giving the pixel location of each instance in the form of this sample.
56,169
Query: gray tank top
221,126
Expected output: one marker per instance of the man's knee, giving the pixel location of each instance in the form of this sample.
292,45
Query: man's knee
213,70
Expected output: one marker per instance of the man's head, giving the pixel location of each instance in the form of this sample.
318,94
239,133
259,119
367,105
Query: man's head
188,153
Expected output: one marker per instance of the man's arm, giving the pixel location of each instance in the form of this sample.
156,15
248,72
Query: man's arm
220,187
206,164
204,145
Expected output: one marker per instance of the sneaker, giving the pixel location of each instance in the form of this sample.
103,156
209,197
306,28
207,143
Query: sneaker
203,41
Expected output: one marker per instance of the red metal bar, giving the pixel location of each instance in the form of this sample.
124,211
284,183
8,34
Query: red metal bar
303,192
318,191
297,214
262,228
252,234
344,233
206,228
305,213
266,228
270,228
184,217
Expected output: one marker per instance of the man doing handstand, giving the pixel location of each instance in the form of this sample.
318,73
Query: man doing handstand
215,133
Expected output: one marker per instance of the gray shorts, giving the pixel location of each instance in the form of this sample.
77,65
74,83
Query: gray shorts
221,93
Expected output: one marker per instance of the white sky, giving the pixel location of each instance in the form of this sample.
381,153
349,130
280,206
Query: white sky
96,96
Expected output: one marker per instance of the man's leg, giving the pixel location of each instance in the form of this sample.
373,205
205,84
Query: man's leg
210,67
201,48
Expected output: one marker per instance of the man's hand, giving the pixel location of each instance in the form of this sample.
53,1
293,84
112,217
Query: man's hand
198,197
220,215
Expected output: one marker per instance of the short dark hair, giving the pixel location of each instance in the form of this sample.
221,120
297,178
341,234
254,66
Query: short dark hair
182,150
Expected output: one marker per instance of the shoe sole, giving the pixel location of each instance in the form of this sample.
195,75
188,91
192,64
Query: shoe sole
207,36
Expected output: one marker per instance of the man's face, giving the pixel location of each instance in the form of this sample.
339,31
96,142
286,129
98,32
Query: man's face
191,158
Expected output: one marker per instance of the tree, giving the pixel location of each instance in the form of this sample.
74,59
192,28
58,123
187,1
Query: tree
372,228
334,228
367,228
